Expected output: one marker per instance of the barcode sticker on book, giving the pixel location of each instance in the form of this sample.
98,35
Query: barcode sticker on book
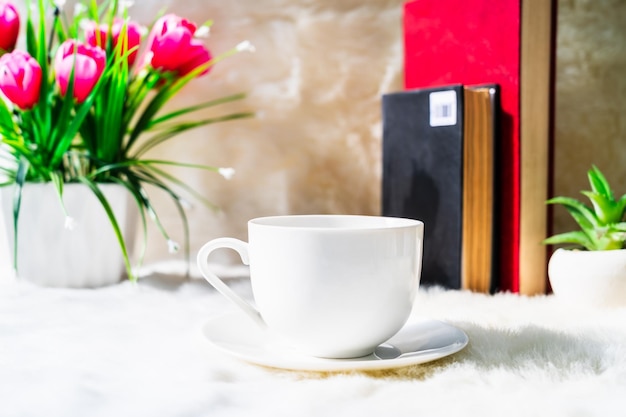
442,108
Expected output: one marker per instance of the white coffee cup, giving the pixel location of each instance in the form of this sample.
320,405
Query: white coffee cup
332,286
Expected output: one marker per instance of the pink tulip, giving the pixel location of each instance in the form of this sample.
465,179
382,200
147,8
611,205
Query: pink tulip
173,47
9,26
88,63
96,35
20,79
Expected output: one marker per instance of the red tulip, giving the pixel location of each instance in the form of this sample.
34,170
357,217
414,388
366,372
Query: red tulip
20,79
173,47
88,63
9,26
96,35
197,55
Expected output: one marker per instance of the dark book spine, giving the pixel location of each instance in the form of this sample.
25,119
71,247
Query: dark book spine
422,173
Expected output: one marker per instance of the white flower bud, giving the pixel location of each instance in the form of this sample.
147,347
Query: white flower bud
126,4
172,246
245,46
70,223
79,8
202,32
227,173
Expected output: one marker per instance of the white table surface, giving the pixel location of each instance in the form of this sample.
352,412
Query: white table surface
137,350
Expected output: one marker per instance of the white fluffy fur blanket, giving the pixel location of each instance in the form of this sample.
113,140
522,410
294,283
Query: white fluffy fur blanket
136,351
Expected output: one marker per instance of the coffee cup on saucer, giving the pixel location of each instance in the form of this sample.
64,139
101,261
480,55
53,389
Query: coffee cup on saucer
333,286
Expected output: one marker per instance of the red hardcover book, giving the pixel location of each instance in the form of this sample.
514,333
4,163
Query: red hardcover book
510,43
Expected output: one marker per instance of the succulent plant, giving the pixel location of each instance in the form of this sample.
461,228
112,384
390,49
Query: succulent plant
602,225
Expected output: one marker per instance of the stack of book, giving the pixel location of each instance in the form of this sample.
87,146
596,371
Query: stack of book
467,146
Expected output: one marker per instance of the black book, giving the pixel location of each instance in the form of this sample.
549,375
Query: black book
423,178
422,168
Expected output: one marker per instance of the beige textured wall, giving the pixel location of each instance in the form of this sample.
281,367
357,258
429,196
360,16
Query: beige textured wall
591,97
316,79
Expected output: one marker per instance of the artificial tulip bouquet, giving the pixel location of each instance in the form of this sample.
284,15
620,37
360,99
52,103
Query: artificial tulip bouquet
84,102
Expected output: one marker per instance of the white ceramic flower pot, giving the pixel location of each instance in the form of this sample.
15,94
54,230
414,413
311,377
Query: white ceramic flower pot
50,254
596,278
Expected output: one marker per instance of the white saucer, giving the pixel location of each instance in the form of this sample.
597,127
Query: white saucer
423,341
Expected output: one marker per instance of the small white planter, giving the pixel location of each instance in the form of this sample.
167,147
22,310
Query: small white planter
49,254
593,278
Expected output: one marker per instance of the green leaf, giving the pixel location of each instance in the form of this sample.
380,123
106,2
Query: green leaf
177,201
148,178
165,94
137,162
81,114
186,240
19,147
57,142
155,173
182,127
148,204
31,37
621,207
61,31
190,109
93,12
583,215
116,228
135,193
20,178
184,186
42,59
610,241
7,123
8,171
599,184
139,87
112,9
57,180
112,118
619,226
577,238
606,210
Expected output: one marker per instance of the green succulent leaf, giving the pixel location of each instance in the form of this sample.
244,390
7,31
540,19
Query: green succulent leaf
620,226
583,215
599,184
610,241
621,207
602,228
577,238
607,211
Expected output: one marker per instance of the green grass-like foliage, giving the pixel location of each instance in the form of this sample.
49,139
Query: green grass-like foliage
602,225
103,139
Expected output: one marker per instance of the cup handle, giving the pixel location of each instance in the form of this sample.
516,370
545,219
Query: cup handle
241,248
